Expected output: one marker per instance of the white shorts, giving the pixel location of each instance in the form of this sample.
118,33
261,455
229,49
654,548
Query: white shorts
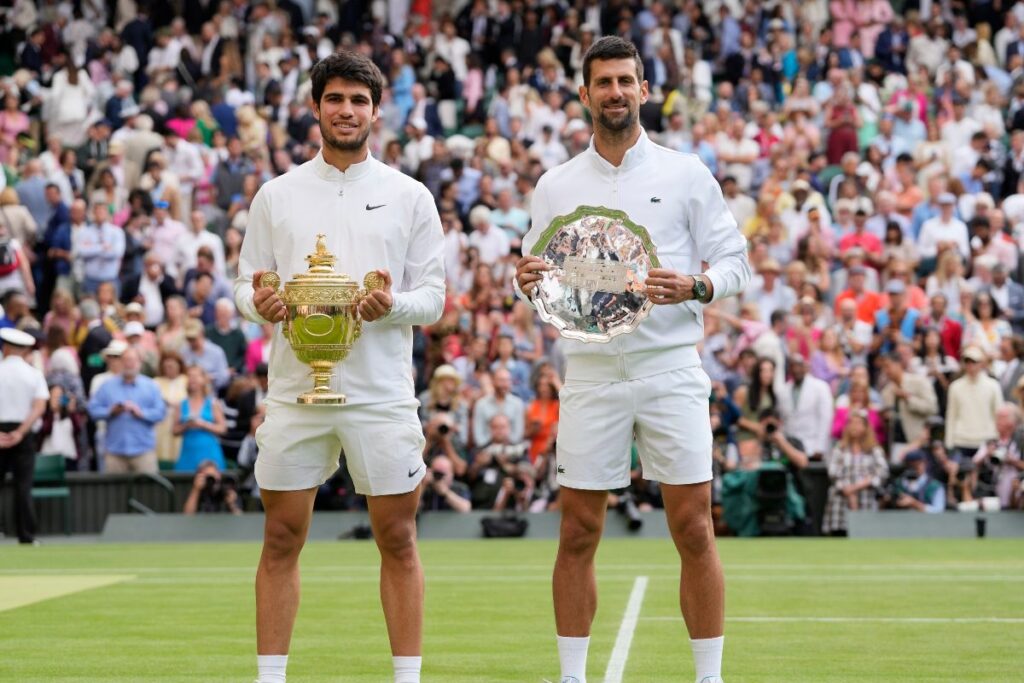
666,413
383,443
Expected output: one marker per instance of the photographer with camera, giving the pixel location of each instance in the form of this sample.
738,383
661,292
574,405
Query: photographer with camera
495,462
517,487
998,464
212,492
443,439
440,489
916,489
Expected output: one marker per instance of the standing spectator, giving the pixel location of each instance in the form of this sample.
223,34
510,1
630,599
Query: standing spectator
986,328
807,410
935,365
998,463
970,411
909,399
949,329
1008,296
868,302
199,421
858,398
942,232
22,403
491,242
151,289
771,293
99,248
132,406
856,469
173,387
542,413
225,333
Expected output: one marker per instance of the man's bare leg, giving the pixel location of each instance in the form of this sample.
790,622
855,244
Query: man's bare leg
574,585
288,514
393,519
701,584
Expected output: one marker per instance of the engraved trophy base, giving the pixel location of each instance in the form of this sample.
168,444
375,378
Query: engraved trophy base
321,394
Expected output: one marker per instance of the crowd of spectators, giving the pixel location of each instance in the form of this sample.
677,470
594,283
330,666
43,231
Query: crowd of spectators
872,152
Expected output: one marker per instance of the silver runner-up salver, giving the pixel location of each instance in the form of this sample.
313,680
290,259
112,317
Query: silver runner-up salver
595,289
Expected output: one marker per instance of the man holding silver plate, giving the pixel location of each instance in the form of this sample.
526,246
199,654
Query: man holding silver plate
347,209
618,237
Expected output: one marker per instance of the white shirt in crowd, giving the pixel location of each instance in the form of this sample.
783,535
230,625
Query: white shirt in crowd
492,245
935,230
807,413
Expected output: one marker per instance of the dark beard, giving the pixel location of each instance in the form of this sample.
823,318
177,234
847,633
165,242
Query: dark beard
627,122
341,145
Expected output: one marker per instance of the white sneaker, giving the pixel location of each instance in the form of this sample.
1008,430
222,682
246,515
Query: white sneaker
711,679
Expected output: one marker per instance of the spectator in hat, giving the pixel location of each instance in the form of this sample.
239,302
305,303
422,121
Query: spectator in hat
111,360
134,333
770,293
132,406
916,489
210,357
944,231
443,396
22,403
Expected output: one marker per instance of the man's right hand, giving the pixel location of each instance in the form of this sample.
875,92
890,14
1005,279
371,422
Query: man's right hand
268,304
528,272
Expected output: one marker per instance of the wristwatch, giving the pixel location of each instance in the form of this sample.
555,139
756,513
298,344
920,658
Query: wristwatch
700,289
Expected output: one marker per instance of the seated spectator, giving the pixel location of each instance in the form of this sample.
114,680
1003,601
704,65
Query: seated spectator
212,492
517,369
856,470
916,489
858,398
258,350
225,333
199,421
442,491
998,464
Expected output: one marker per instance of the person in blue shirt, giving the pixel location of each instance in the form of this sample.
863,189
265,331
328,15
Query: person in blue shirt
132,406
897,321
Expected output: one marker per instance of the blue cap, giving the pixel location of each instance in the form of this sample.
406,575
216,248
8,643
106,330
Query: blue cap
161,204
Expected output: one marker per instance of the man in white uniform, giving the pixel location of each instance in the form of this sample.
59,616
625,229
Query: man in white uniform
375,219
647,385
22,403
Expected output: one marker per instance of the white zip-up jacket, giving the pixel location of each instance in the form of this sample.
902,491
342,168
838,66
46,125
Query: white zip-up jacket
374,218
675,197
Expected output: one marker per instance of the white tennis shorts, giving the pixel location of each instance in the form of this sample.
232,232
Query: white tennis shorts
667,413
383,443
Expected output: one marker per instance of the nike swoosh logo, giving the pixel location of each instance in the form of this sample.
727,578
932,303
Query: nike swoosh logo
371,208
412,473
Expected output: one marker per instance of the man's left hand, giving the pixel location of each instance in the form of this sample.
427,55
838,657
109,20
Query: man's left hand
377,304
666,286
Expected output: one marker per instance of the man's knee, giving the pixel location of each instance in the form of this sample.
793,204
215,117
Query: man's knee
396,541
283,540
580,534
693,532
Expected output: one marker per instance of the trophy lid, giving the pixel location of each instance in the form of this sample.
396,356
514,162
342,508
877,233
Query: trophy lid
321,268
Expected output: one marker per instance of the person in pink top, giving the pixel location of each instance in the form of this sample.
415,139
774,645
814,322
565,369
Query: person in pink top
258,350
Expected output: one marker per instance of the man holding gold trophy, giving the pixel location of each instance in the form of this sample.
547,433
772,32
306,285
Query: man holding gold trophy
614,256
342,212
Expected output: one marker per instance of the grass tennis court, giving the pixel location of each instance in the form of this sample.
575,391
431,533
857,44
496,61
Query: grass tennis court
811,611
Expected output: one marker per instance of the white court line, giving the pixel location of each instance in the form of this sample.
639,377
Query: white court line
863,620
617,662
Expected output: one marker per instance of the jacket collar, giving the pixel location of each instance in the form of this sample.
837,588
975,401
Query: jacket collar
635,155
354,172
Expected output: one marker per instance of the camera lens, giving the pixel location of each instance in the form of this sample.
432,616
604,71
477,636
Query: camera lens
444,429
770,428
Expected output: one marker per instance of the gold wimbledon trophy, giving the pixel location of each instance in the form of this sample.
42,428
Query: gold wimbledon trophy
322,319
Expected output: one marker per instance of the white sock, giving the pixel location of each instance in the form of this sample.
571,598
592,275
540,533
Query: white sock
572,653
271,668
407,669
707,656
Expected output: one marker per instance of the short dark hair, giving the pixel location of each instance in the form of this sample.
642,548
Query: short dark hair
612,47
350,66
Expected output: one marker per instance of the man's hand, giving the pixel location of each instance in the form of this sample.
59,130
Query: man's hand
377,304
117,409
666,286
268,304
528,272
